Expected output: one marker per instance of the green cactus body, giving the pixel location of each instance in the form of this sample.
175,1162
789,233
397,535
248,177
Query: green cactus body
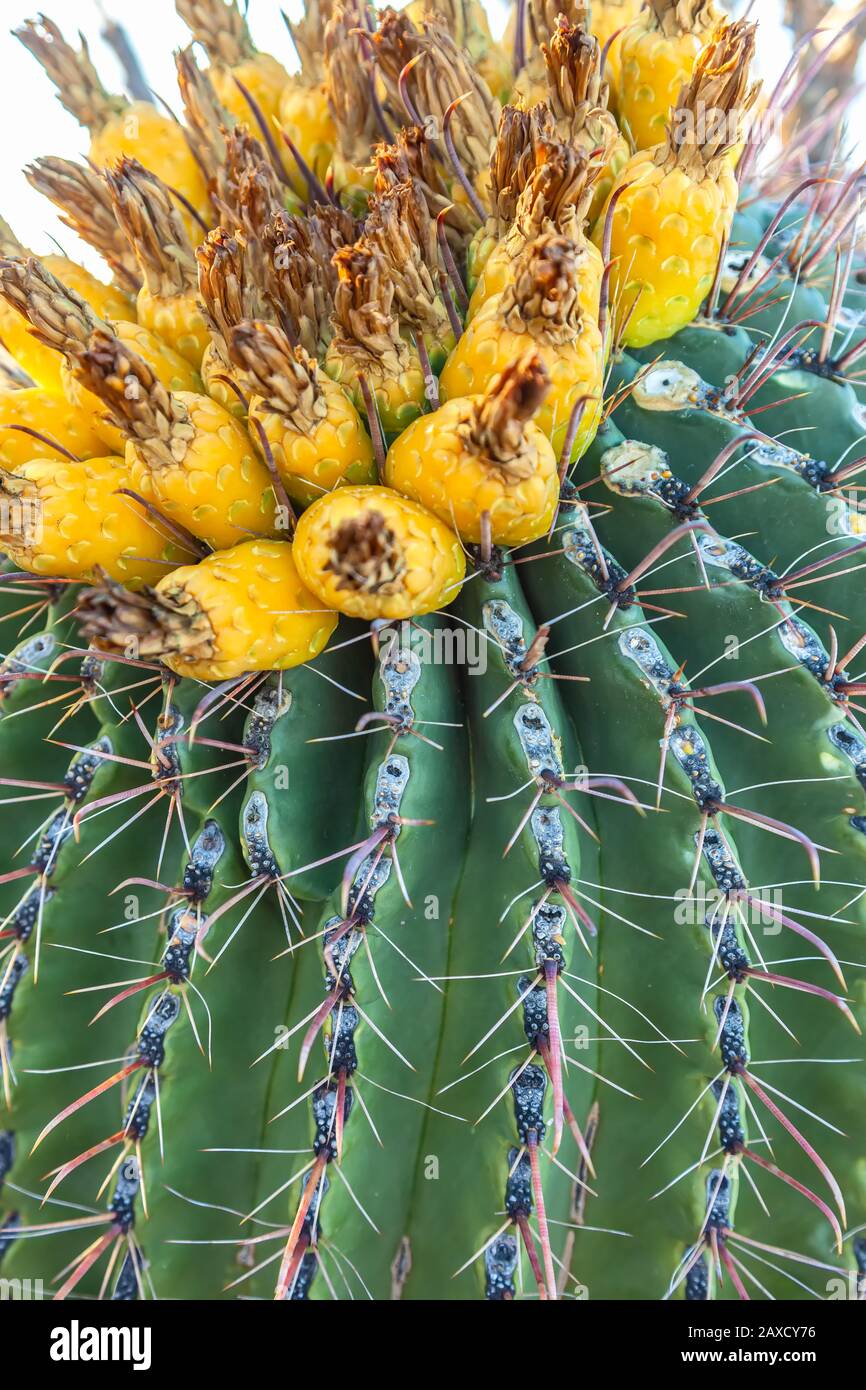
672,409
519,729
302,718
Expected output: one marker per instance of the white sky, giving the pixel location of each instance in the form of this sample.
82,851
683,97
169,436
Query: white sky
35,124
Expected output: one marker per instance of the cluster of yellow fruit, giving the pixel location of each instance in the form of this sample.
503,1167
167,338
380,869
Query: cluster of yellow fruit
401,329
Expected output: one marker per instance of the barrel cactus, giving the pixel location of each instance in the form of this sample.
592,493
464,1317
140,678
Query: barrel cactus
434,813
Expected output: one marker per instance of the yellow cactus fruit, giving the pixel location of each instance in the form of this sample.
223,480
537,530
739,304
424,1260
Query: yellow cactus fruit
241,609
578,98
657,58
551,306
64,518
81,196
222,383
117,127
42,363
63,320
307,421
370,553
235,63
367,348
51,418
185,451
556,199
304,112
480,455
608,20
512,163
168,300
679,200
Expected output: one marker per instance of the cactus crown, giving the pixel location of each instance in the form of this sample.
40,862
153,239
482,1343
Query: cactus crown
584,780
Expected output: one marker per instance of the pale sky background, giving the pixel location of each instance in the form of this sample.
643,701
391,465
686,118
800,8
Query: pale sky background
33,122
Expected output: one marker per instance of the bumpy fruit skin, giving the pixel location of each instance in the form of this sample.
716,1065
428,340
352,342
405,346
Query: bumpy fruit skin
306,118
607,177
667,234
400,398
576,368
212,369
42,364
178,321
85,523
653,69
51,414
434,560
263,618
220,490
336,451
431,464
478,253
142,132
174,371
606,18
